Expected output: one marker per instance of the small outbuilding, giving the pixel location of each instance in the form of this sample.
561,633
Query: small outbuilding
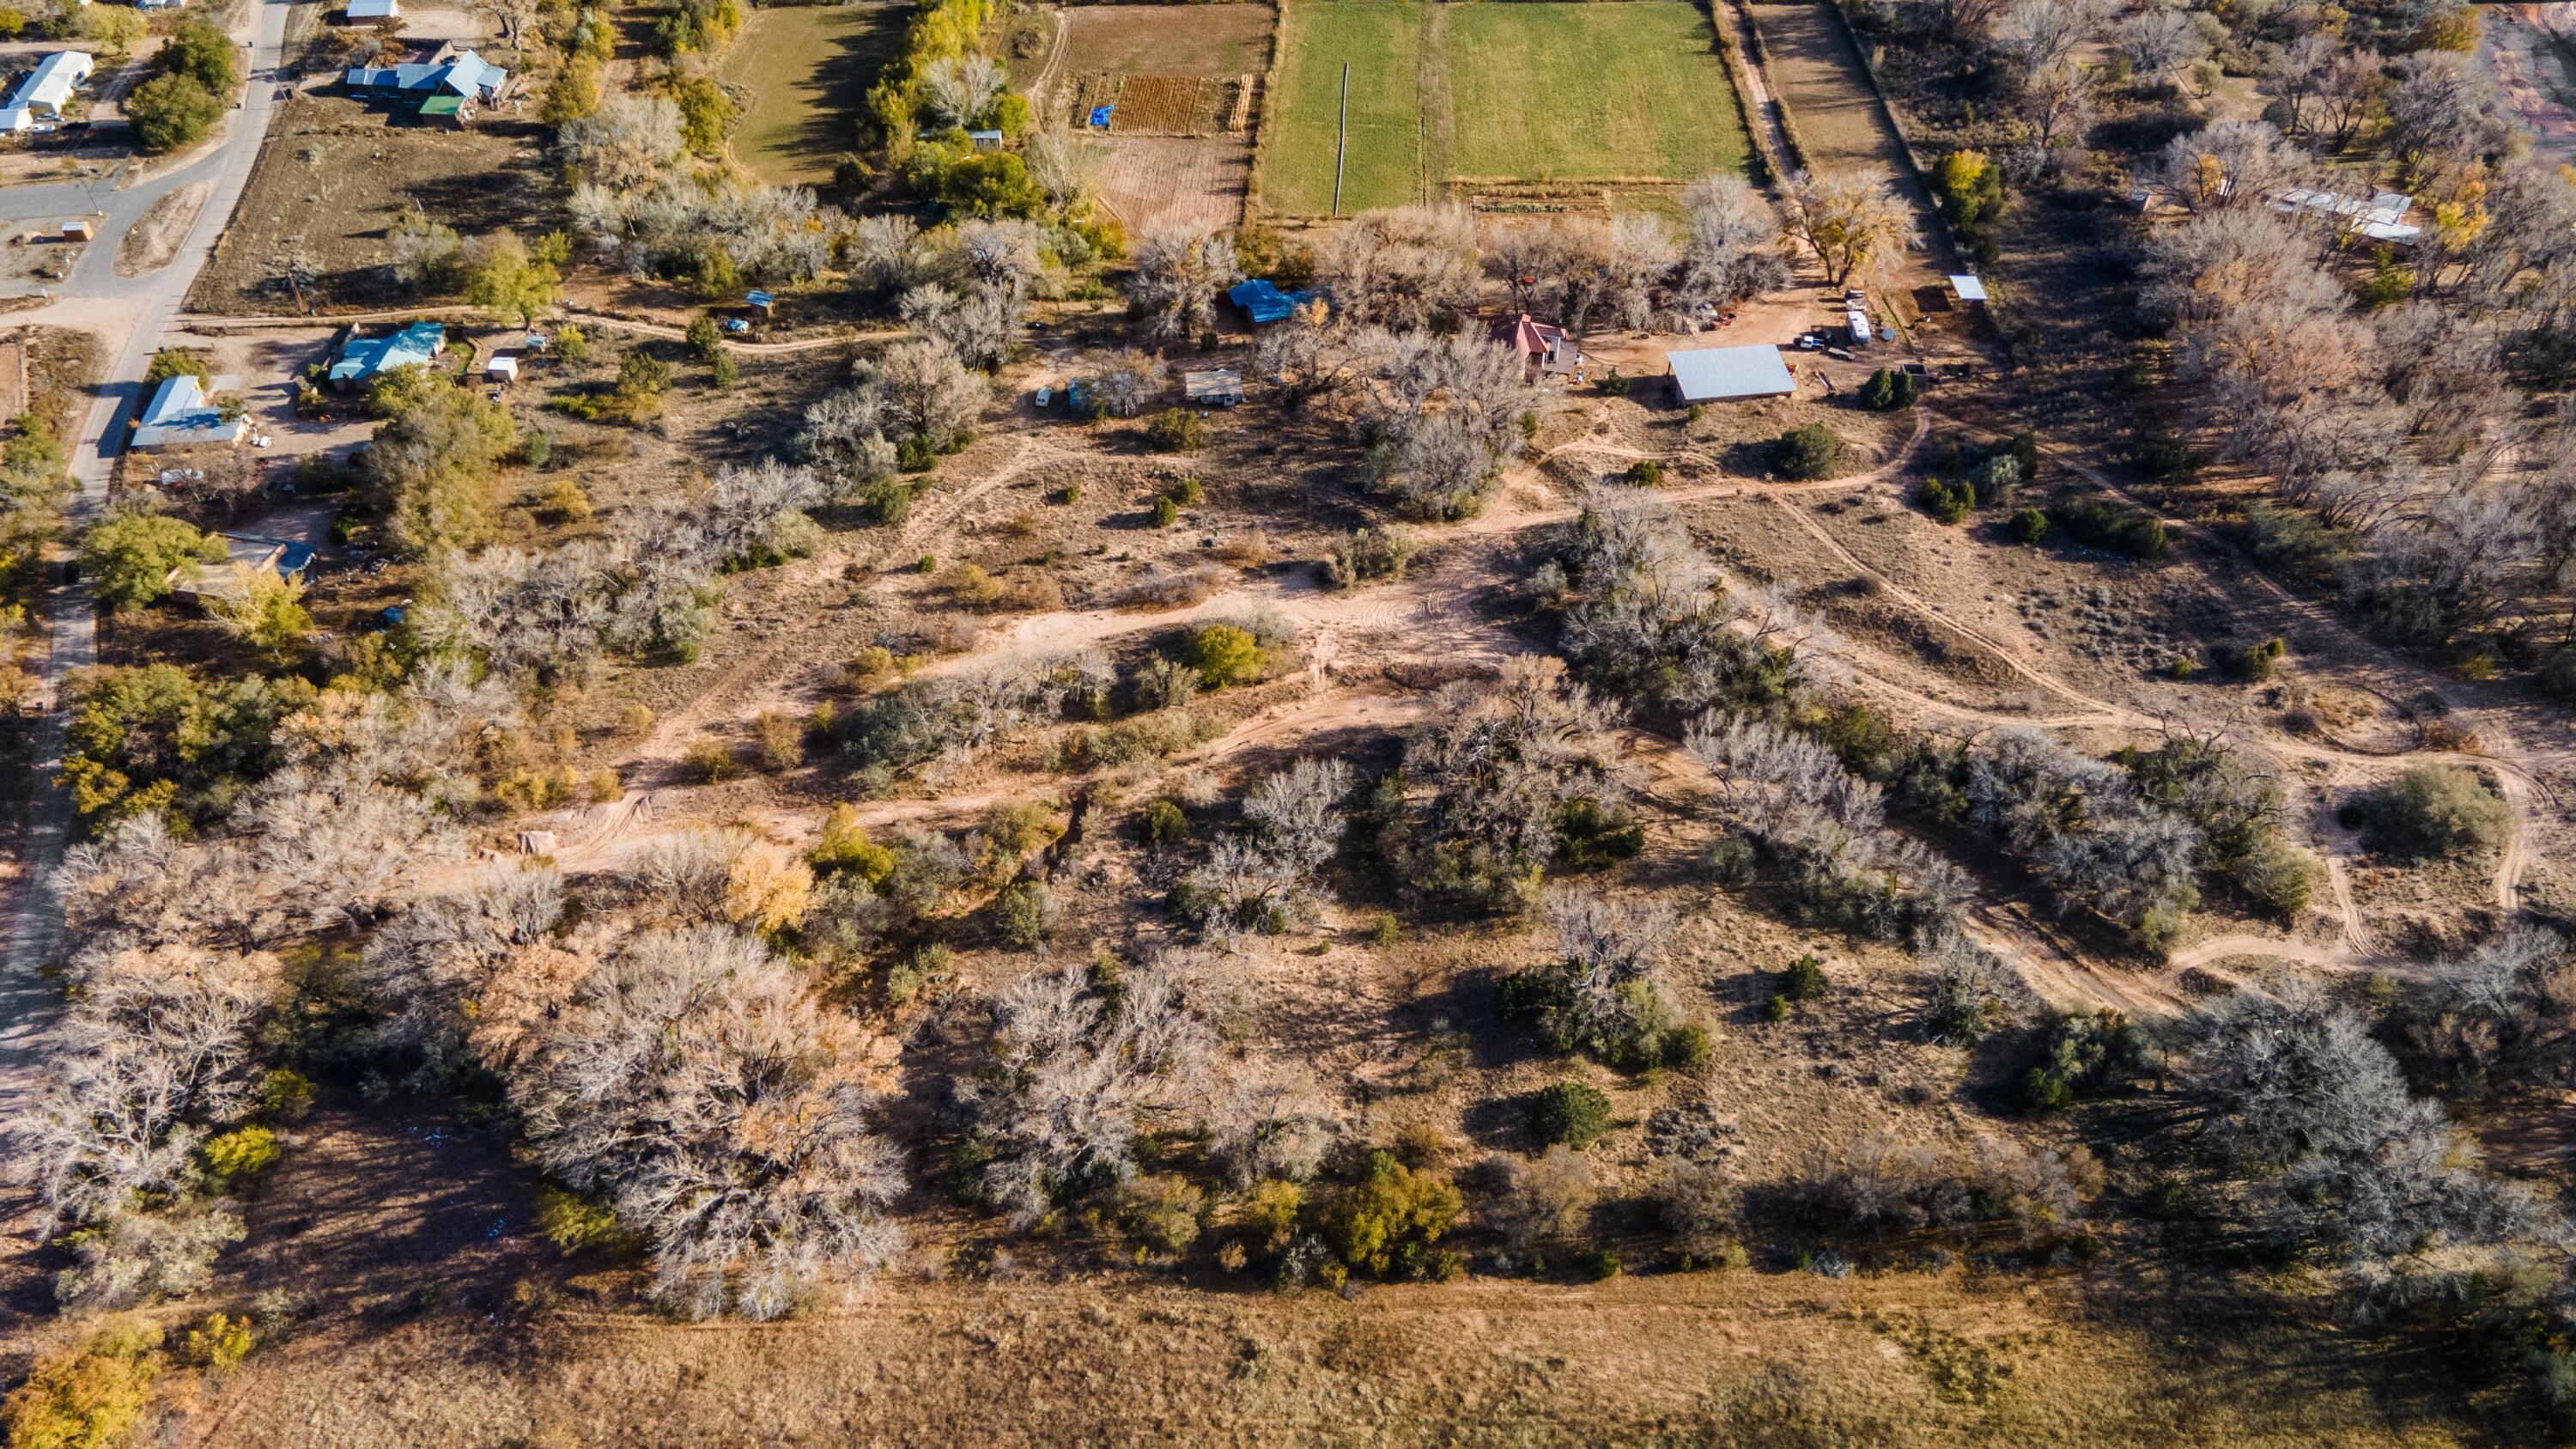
1217,387
1729,374
762,300
369,12
77,231
984,140
503,368
1967,288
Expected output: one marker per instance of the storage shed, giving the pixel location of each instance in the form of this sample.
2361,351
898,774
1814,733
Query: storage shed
1218,387
1729,374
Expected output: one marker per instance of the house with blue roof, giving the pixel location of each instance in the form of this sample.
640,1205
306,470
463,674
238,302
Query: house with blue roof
1263,302
442,88
183,414
364,359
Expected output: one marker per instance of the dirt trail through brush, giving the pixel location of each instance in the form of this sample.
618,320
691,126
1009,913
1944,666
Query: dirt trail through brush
1434,619
780,671
603,837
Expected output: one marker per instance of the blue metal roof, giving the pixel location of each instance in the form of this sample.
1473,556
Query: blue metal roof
364,357
181,414
467,74
1264,303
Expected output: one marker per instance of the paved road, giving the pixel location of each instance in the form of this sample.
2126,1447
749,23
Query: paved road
134,314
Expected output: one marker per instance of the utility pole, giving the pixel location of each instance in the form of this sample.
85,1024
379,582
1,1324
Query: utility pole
1342,138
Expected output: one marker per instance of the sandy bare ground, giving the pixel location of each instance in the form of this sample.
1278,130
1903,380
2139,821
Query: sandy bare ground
152,241
1147,181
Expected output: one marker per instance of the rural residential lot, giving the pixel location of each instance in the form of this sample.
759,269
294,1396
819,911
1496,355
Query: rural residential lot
1348,721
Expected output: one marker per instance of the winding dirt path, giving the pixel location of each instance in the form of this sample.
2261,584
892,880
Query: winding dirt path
209,322
1433,619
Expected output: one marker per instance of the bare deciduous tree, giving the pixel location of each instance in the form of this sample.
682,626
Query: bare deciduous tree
631,143
2160,43
1061,163
1309,356
2037,35
1500,765
959,88
2231,165
1542,1202
1078,1076
2349,1163
1731,246
1401,268
692,1083
1178,269
926,390
434,962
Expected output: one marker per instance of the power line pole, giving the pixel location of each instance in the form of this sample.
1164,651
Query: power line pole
1342,138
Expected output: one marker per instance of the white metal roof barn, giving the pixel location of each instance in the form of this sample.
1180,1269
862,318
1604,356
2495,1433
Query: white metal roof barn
1725,374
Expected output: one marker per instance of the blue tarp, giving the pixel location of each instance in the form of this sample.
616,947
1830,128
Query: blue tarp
1263,302
1100,117
760,299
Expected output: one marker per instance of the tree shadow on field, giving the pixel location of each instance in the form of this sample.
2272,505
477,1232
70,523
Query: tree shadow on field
835,93
383,1211
2217,1340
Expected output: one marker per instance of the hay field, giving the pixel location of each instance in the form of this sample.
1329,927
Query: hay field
1450,96
1613,92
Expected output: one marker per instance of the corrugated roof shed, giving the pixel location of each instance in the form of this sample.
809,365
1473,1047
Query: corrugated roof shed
1217,386
1968,288
1720,374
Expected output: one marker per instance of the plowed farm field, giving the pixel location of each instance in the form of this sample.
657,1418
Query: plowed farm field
1185,81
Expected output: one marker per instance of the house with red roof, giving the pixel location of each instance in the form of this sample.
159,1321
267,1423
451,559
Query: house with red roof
1543,349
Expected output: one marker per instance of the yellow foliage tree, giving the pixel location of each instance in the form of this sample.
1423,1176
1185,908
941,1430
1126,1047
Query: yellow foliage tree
768,889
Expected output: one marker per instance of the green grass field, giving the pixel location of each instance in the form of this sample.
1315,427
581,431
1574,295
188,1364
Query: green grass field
1605,92
1382,41
808,69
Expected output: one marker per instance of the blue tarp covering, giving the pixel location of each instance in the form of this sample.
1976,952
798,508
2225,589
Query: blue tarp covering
760,299
1263,302
1100,117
